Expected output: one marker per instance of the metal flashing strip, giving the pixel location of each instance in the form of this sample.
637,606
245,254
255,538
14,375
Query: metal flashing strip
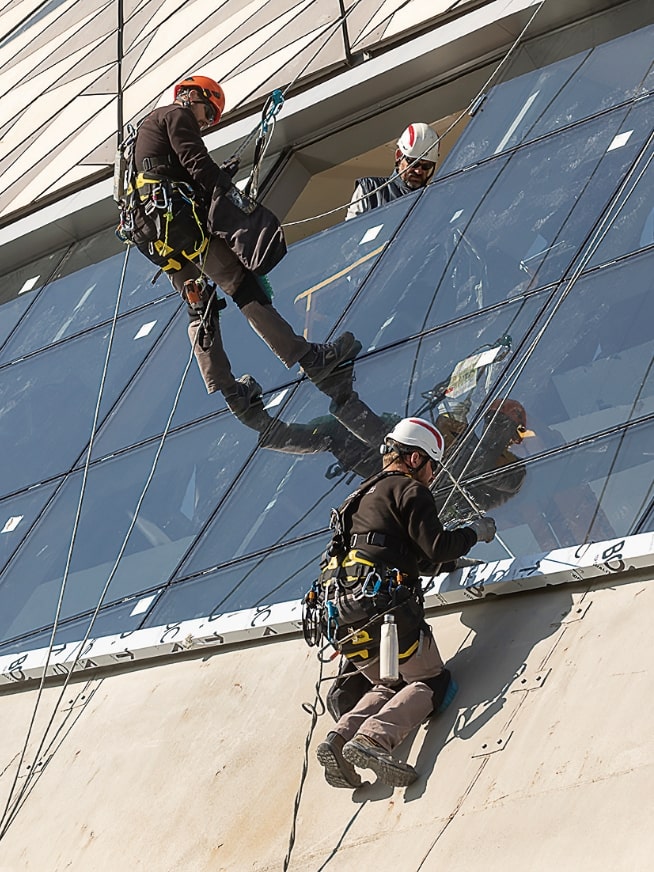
595,561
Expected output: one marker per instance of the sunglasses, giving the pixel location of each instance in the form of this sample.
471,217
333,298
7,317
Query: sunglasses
425,166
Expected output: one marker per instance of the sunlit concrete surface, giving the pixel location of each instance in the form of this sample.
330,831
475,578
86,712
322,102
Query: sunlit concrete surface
543,761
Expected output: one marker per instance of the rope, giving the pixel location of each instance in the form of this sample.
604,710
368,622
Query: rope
11,815
609,216
71,546
474,103
313,710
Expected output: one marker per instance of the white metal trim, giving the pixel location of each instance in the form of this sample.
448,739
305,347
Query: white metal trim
598,560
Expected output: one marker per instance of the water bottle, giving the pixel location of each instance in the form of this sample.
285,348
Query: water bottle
389,652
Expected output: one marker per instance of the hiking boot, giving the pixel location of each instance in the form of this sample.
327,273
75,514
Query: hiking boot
338,772
367,754
247,404
321,361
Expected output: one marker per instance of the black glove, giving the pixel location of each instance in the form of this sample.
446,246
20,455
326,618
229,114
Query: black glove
231,166
484,527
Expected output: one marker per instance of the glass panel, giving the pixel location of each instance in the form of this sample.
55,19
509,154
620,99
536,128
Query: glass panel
278,576
592,369
17,514
543,100
489,240
321,274
633,226
595,491
285,493
110,621
82,293
47,401
19,288
193,472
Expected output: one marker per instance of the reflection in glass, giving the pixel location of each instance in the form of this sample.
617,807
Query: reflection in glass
17,514
82,293
487,239
592,492
277,576
567,91
592,368
194,470
48,400
321,274
316,450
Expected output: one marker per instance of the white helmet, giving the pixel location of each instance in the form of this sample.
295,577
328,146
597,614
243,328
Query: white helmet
418,140
416,433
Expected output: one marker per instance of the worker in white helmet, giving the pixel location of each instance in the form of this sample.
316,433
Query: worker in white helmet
415,161
384,535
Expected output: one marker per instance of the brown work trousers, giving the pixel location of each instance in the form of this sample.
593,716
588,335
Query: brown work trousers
387,716
224,268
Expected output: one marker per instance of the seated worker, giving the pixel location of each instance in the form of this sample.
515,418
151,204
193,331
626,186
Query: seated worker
389,527
170,153
415,162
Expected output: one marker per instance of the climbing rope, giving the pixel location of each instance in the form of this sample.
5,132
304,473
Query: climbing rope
611,212
470,108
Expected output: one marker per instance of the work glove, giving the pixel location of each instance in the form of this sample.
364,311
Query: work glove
231,166
484,527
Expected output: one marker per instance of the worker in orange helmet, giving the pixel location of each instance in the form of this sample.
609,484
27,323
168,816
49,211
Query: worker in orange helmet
176,180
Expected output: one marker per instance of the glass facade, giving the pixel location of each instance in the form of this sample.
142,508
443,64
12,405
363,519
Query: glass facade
523,273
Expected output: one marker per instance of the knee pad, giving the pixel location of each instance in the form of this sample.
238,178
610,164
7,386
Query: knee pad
253,289
438,686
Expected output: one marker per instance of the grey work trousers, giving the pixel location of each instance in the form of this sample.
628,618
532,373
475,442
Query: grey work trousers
387,716
225,269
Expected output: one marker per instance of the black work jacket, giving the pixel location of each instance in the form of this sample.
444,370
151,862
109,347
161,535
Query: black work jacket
171,137
404,511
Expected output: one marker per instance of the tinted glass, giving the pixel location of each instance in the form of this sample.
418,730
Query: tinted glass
47,401
543,100
321,274
595,491
19,288
17,514
498,230
280,576
195,468
313,460
83,292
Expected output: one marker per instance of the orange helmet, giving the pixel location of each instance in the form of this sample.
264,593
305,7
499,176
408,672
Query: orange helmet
210,90
513,410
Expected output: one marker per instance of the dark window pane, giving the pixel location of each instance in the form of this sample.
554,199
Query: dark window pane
598,490
564,92
497,230
285,493
82,293
321,274
592,368
632,226
19,288
17,514
279,576
195,468
122,618
47,401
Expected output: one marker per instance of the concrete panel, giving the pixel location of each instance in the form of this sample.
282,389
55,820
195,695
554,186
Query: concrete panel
544,760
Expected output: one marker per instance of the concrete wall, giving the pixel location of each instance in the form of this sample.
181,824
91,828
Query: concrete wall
544,760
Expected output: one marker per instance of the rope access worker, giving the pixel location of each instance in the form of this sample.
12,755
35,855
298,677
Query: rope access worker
169,150
412,171
386,534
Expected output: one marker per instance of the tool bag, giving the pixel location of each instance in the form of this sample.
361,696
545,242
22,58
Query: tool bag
252,232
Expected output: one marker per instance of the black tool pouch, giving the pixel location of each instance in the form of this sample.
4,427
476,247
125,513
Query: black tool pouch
252,232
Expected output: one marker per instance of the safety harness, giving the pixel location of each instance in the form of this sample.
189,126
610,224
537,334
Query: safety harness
346,604
160,215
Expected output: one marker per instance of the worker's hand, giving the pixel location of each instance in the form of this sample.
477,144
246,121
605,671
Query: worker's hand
485,528
231,166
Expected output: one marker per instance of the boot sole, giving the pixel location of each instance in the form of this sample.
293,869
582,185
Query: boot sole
334,775
347,358
386,771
